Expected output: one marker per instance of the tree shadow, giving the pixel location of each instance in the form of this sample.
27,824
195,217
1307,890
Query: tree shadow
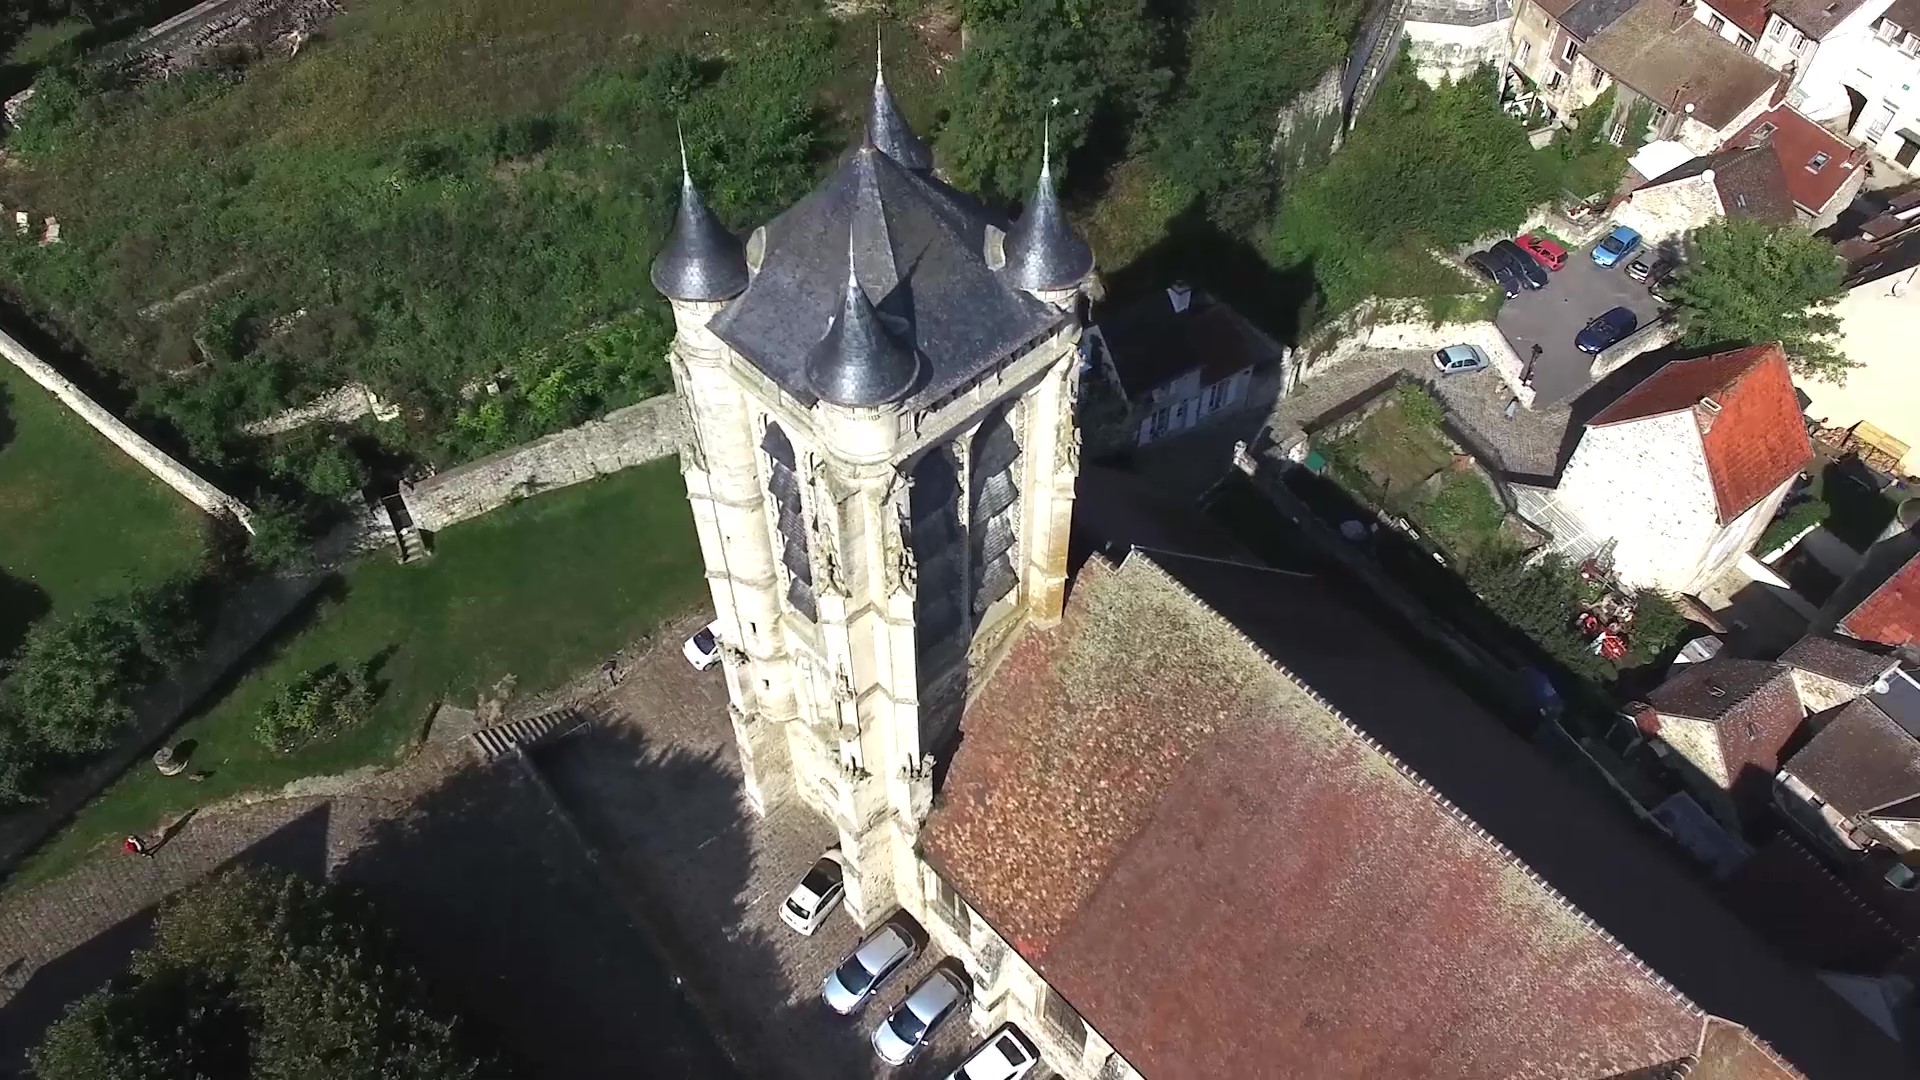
1199,252
22,603
298,847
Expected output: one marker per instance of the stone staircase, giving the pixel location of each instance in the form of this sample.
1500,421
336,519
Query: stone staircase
412,546
494,742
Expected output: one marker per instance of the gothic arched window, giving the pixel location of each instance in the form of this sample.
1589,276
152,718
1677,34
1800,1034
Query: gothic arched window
934,523
784,485
994,508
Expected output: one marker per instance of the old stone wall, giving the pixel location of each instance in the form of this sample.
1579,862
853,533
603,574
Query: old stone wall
341,405
1377,324
625,437
1308,129
172,473
1448,39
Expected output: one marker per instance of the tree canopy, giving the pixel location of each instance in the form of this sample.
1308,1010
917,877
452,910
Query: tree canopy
257,976
1095,63
1750,281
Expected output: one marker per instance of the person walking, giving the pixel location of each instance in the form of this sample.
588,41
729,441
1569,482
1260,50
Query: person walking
136,846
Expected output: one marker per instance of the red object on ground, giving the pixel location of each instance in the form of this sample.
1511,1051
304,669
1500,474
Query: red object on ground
1544,251
1613,646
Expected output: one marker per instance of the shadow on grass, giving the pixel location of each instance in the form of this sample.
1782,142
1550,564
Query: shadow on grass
22,603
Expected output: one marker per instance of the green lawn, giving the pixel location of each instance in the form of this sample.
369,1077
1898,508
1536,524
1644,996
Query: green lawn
1396,452
78,519
539,590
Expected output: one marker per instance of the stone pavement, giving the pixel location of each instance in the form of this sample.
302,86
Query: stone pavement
511,919
655,787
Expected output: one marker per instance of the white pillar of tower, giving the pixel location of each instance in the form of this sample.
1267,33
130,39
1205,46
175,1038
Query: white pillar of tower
1052,467
726,493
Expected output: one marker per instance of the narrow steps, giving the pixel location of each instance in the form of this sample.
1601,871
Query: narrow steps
526,733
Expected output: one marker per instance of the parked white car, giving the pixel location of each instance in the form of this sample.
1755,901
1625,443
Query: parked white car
1455,359
905,1033
871,963
1006,1055
702,650
811,901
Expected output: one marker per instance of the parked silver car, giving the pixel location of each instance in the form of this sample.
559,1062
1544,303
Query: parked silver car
871,963
1455,359
1006,1055
904,1034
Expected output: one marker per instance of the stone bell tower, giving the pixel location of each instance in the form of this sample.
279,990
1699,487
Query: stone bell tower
881,384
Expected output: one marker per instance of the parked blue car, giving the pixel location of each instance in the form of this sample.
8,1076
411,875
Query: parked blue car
1606,330
1618,245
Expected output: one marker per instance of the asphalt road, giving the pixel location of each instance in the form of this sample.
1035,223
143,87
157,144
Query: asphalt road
1553,316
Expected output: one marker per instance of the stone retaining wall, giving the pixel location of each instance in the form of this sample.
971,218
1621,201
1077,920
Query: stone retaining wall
172,473
625,437
1385,325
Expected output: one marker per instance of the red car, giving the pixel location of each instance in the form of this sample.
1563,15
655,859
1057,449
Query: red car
1544,251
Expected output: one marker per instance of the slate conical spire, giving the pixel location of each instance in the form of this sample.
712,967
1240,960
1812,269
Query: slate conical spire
887,130
1043,251
860,362
701,260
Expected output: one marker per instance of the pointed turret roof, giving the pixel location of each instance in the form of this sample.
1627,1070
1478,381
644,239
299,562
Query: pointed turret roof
861,362
1043,251
887,129
701,259
920,251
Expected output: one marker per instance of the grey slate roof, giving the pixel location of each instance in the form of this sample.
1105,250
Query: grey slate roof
862,360
920,251
1043,251
1715,690
1860,762
1586,18
701,259
888,130
1845,660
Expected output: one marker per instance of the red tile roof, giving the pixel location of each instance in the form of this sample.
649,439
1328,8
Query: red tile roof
1891,615
1795,140
1753,442
1227,880
1748,15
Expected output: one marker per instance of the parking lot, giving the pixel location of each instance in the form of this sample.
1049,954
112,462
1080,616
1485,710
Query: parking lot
655,786
1553,316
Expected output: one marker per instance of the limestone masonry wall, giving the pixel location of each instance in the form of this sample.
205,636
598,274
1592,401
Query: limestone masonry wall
155,460
637,434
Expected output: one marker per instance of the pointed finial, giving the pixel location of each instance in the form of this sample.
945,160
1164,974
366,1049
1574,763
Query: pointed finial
859,361
701,260
887,130
1043,252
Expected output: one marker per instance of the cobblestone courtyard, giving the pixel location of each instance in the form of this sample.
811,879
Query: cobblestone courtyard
655,786
489,888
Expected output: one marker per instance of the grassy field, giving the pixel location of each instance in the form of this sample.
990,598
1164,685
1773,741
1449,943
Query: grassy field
78,519
540,590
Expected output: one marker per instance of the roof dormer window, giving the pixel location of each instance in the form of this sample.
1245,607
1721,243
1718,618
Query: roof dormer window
1818,162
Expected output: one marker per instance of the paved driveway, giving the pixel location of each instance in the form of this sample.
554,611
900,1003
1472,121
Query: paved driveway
1552,317
656,787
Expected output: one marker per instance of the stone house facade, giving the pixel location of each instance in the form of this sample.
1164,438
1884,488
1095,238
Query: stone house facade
1700,88
1730,721
1854,67
1684,472
1746,183
1180,361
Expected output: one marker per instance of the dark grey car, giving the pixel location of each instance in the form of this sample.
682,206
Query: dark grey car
1524,266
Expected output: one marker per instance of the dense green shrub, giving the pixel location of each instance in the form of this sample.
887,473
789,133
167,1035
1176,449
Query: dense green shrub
317,705
279,538
262,975
1246,60
1424,168
1798,518
1095,63
75,675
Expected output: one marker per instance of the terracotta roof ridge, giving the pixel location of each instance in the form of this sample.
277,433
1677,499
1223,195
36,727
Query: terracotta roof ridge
1426,787
1852,894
